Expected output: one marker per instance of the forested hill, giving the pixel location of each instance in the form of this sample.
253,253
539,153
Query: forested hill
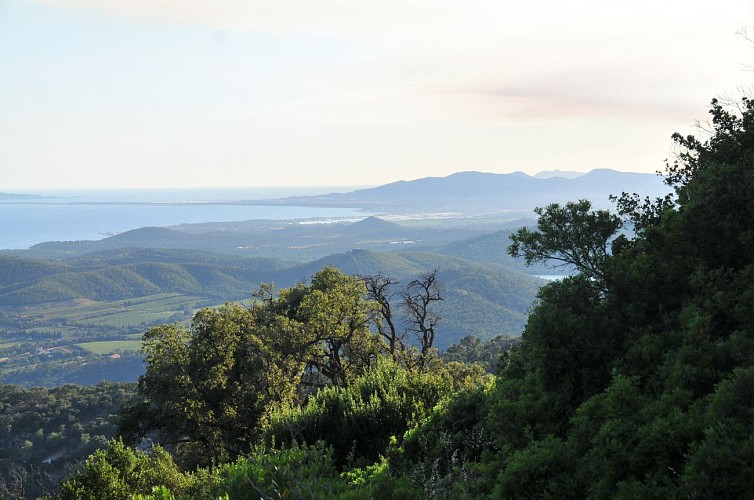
127,274
480,300
484,300
469,191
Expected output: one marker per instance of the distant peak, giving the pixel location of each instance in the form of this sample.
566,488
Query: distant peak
565,174
374,224
520,174
372,220
609,172
475,173
467,173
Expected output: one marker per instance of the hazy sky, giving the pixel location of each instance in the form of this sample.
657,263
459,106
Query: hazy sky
131,93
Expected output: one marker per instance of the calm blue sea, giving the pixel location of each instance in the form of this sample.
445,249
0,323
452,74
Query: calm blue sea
96,214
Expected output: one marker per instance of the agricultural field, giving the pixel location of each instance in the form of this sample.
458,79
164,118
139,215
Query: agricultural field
136,312
111,346
84,335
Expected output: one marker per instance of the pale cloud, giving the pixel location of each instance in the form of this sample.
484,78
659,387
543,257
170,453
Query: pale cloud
416,88
324,17
524,57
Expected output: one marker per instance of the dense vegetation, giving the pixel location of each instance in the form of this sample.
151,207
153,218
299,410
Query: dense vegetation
634,377
45,432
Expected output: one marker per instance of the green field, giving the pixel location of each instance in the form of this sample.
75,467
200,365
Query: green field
139,312
9,342
111,346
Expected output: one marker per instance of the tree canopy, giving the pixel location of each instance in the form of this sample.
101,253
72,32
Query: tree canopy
631,375
572,235
210,387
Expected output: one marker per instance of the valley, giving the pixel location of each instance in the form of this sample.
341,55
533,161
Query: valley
74,311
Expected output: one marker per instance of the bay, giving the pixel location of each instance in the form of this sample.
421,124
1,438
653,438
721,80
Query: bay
97,214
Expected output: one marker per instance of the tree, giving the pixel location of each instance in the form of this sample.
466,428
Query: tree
573,235
379,289
657,373
418,297
471,349
359,421
336,316
208,387
420,319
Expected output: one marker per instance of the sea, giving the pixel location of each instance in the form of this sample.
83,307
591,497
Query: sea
70,215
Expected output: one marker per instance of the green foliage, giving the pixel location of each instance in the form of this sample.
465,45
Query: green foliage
678,340
633,378
573,235
98,301
376,481
359,421
128,274
118,472
43,432
724,453
441,454
571,339
335,316
75,368
158,493
20,270
544,469
294,472
209,387
288,473
471,350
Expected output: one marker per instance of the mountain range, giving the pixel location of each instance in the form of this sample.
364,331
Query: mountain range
469,192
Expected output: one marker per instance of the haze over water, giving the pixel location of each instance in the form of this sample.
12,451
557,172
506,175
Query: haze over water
96,214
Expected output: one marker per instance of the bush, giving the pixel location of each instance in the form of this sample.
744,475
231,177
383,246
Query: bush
358,421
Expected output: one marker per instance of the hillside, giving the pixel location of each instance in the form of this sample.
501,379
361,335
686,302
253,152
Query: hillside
15,270
127,274
480,299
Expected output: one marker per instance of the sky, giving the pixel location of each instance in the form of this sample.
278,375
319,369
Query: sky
220,93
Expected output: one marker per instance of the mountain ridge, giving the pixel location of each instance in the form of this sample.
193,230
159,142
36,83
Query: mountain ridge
470,191
482,299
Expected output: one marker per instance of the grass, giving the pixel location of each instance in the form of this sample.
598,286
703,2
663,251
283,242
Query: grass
130,318
111,346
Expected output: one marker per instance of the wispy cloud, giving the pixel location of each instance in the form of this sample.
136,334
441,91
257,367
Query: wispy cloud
541,50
